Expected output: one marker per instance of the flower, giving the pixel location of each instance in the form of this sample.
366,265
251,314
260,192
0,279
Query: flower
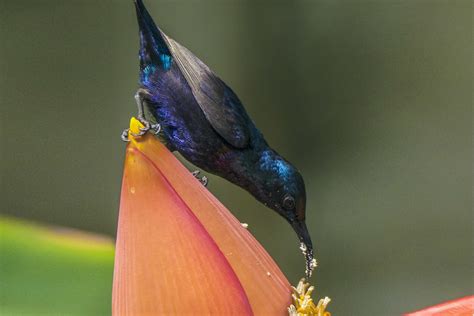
180,251
460,307
303,303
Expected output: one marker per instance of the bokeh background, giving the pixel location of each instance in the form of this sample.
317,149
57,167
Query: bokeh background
371,100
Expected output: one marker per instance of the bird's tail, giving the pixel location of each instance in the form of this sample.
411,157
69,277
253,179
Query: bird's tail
153,47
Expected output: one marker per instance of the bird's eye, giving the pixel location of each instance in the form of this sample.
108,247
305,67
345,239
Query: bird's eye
288,202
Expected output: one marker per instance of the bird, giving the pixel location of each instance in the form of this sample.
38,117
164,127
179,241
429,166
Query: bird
196,114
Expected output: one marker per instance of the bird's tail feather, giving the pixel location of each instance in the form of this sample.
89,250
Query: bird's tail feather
153,47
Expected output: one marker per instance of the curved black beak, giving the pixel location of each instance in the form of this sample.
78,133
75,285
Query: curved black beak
306,245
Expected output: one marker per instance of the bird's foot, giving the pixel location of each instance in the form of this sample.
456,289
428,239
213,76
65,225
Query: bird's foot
204,180
140,96
147,126
124,135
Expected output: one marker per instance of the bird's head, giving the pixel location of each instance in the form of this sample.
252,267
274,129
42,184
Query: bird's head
281,187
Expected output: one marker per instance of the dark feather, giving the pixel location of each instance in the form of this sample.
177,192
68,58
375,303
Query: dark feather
203,119
220,105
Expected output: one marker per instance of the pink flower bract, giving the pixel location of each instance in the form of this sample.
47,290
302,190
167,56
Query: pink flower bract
180,251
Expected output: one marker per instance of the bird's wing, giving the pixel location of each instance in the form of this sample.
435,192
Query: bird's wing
220,105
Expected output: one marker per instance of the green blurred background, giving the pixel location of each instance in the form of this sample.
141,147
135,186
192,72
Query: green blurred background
371,100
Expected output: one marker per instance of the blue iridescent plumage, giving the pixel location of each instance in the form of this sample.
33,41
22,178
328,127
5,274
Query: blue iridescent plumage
203,119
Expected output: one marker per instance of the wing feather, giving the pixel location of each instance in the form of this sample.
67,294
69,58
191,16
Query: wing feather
220,104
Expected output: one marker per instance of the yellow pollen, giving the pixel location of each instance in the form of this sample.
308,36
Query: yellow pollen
303,304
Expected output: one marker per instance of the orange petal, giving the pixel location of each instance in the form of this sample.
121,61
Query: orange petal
180,250
459,307
166,262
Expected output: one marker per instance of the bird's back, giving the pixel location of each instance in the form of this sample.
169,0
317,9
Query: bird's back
200,115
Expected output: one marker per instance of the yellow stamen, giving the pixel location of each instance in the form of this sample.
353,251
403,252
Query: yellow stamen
303,304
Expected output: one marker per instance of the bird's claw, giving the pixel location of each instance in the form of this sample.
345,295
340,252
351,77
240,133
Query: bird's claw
124,135
204,180
147,126
155,128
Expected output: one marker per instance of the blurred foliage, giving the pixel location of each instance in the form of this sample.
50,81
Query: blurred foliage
51,271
